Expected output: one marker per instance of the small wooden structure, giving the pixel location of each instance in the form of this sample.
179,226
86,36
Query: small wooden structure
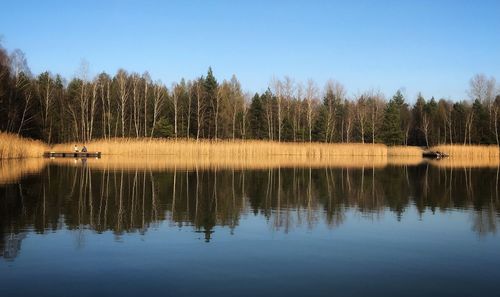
72,154
434,154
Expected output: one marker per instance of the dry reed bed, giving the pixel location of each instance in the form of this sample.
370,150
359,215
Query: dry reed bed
15,147
410,151
483,152
240,148
12,170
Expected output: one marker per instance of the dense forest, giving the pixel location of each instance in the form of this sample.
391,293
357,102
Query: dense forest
49,108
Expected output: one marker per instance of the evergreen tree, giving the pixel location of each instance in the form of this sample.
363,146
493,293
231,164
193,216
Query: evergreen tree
391,126
287,130
257,118
210,85
163,128
417,136
481,133
431,112
319,127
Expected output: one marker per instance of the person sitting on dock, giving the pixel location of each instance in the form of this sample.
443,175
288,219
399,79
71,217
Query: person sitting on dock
76,148
84,149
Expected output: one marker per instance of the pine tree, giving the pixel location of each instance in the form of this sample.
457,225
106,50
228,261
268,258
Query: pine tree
210,86
481,124
257,118
391,126
320,125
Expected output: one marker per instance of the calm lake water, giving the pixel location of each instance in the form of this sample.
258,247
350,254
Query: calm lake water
419,230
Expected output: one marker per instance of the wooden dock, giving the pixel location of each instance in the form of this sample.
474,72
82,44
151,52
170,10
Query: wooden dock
72,154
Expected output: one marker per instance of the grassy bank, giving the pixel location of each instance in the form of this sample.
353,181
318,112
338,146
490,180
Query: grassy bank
15,147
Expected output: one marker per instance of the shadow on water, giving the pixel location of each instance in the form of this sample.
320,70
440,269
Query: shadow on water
78,196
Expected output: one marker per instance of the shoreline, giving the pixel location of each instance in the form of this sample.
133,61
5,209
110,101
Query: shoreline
14,147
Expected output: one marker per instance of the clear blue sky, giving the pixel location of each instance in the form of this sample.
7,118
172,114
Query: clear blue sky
429,46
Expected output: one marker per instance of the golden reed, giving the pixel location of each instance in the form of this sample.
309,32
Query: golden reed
15,147
483,152
240,148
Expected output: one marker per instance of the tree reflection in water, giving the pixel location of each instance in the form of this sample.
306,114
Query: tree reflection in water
134,200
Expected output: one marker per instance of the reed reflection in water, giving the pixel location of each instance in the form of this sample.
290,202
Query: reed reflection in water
123,200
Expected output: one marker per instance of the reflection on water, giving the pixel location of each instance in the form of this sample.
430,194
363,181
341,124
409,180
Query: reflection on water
81,197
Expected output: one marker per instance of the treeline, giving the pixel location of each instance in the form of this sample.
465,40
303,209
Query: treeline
49,108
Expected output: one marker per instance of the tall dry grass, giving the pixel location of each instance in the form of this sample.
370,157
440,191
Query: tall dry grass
410,151
469,156
15,147
239,148
480,152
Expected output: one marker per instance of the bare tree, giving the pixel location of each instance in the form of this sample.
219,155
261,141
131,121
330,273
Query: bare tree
425,127
147,81
334,94
19,63
104,89
237,102
244,114
376,106
278,91
495,121
348,119
496,108
482,88
361,114
189,104
219,95
123,94
176,93
297,109
45,89
199,106
158,101
25,86
268,104
311,95
93,106
135,102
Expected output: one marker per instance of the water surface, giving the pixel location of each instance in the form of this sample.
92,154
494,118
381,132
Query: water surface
88,229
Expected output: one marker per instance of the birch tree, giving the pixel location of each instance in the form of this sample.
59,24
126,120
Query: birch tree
158,102
311,93
278,91
123,94
146,79
45,89
176,93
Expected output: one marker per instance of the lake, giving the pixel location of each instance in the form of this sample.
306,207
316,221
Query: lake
94,228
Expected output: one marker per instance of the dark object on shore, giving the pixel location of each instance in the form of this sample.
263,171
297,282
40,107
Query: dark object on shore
72,154
434,154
